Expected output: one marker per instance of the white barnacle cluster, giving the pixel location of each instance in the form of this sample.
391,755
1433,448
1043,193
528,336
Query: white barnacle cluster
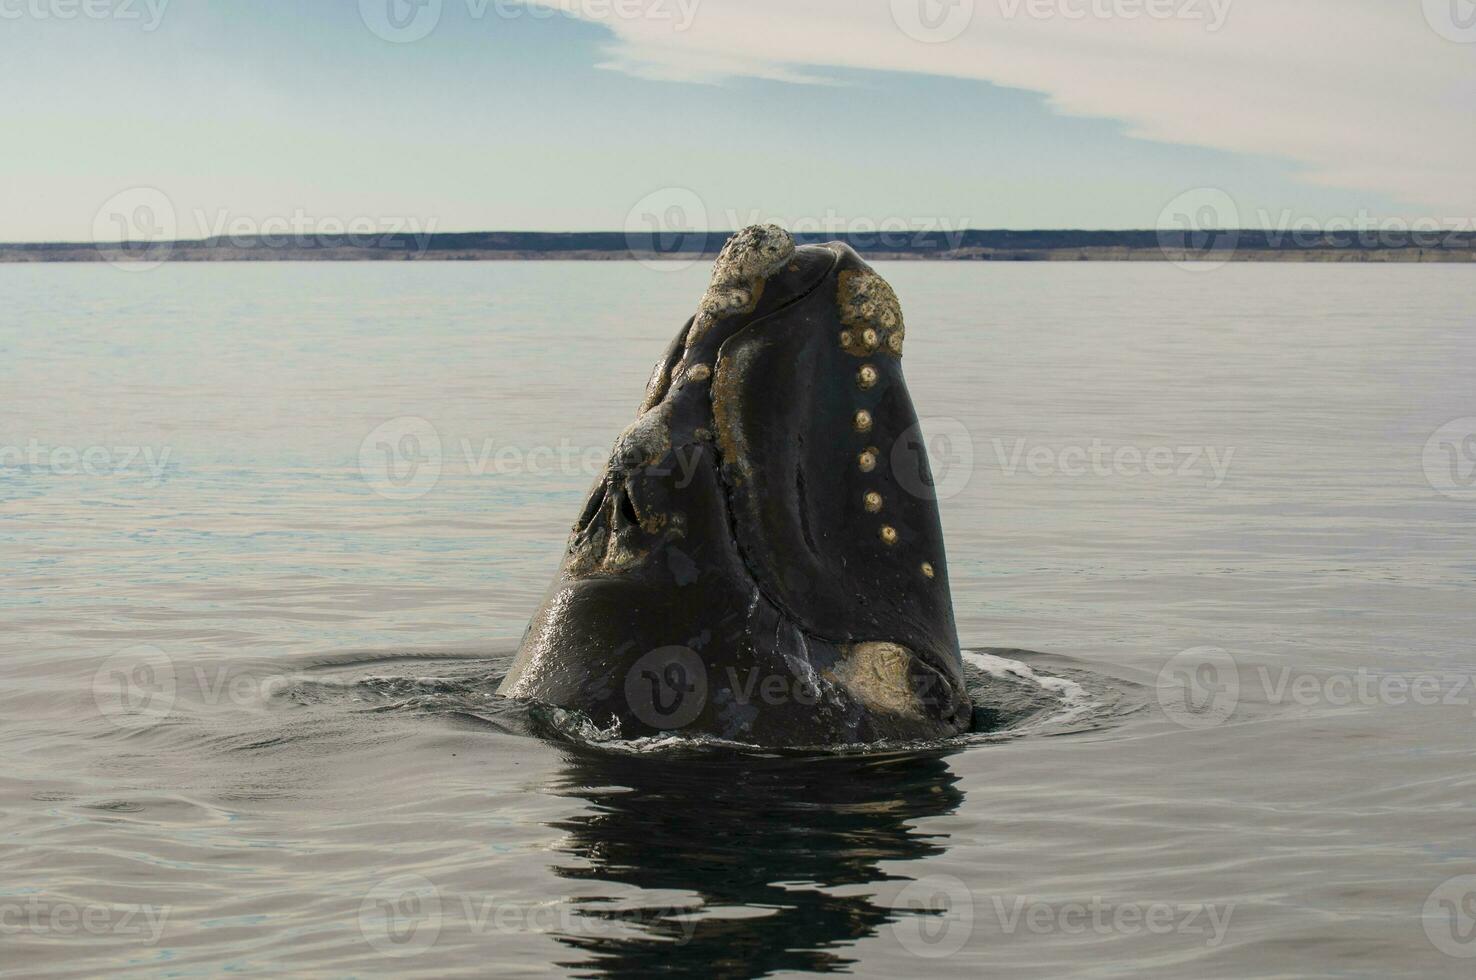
748,258
870,313
738,274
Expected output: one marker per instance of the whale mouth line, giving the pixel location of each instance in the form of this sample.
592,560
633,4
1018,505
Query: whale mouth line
597,500
729,490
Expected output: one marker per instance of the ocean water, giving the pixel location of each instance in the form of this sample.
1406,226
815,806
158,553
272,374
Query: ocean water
270,533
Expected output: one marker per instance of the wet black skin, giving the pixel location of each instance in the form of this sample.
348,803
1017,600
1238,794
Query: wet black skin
725,567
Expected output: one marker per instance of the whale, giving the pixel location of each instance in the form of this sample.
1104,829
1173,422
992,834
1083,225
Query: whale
761,560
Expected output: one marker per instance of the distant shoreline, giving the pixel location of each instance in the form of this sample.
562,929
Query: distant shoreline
963,246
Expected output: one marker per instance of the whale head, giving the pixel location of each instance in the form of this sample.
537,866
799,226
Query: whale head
760,560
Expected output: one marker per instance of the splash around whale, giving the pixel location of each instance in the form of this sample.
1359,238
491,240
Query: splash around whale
761,560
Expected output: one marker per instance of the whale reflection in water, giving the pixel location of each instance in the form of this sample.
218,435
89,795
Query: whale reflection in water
704,837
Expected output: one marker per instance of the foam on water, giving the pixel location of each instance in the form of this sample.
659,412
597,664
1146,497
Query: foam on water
1012,700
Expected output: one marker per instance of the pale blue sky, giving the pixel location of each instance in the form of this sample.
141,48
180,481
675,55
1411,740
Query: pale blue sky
246,111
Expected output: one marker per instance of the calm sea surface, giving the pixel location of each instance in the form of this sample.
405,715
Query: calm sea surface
269,534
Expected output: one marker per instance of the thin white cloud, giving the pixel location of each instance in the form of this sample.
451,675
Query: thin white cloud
1368,95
